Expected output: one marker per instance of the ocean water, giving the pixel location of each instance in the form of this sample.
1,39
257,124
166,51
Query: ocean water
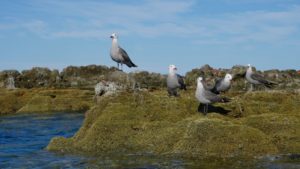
23,138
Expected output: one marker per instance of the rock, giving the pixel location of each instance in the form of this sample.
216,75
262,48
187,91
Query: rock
117,77
192,75
35,77
143,122
6,78
85,71
146,80
44,100
10,83
218,138
282,128
88,76
105,88
59,100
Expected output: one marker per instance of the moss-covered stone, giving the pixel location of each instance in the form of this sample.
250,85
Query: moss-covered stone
44,100
214,137
59,100
12,100
283,129
152,122
254,103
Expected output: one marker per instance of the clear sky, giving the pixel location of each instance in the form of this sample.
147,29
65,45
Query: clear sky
187,33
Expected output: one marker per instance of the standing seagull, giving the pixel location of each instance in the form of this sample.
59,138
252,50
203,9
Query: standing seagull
255,78
207,97
222,85
118,54
174,81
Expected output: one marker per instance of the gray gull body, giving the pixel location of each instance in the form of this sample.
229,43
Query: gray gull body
222,85
206,97
174,81
257,79
118,54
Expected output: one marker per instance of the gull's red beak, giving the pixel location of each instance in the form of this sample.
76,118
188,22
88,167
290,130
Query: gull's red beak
175,68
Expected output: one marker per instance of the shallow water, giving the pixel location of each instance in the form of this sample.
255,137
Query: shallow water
23,138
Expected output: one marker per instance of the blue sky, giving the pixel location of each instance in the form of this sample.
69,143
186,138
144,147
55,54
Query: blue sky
189,34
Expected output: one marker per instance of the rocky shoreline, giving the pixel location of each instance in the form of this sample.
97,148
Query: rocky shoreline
143,122
139,117
45,100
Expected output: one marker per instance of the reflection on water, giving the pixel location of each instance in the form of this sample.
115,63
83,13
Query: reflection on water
24,137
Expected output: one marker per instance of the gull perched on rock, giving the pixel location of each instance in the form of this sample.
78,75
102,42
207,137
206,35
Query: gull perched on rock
207,97
256,79
222,85
174,81
118,54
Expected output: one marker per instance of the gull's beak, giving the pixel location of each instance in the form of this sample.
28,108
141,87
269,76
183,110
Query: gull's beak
111,37
175,68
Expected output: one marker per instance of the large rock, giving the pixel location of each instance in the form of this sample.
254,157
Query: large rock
59,100
219,138
284,130
12,100
259,102
36,77
6,76
142,122
144,79
44,100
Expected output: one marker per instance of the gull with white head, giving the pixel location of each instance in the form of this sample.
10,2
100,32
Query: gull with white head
207,97
174,81
118,54
222,85
257,79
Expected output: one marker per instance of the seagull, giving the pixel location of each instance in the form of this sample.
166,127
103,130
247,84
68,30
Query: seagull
222,85
256,79
118,54
174,81
206,97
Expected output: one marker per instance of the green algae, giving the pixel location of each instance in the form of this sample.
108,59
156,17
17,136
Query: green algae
152,122
12,100
59,100
218,138
259,123
284,130
44,100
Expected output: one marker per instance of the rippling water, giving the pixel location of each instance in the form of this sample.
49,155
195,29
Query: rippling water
23,138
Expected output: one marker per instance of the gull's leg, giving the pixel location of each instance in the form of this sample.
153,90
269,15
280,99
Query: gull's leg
251,88
205,109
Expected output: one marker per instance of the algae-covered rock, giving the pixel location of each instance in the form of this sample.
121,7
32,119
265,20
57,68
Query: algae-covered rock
44,100
148,80
254,103
59,100
283,129
36,77
60,142
12,100
214,137
142,122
